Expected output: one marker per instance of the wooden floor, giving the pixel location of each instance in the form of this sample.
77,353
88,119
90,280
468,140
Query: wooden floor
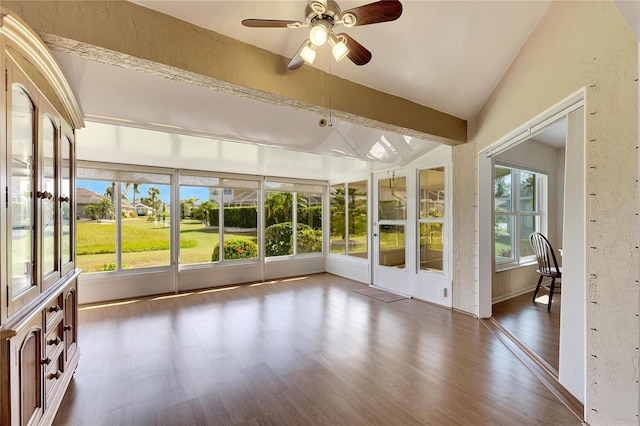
533,325
303,351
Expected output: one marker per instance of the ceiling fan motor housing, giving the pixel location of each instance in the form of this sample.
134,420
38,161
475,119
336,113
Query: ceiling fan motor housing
316,10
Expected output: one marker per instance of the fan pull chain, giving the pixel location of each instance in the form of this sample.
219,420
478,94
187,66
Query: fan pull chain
330,90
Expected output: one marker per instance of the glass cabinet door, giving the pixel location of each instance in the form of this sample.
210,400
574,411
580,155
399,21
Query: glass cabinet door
21,175
48,193
65,204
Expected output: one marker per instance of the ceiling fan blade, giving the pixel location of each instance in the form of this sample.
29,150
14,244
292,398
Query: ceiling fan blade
358,54
373,13
269,23
297,61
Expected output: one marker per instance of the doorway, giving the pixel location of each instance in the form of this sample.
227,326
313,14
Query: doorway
392,231
571,371
528,192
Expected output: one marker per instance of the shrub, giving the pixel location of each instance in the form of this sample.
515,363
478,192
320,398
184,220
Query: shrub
108,267
311,216
235,217
236,248
505,253
279,239
309,240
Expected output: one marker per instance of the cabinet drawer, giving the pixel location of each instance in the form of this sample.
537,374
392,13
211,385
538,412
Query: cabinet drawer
52,376
54,340
53,312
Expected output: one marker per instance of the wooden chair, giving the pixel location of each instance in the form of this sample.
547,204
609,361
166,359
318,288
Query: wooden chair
547,265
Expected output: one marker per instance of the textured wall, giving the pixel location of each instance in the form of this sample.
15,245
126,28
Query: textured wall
464,223
576,45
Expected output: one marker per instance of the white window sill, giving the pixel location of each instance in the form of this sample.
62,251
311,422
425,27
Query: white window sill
508,266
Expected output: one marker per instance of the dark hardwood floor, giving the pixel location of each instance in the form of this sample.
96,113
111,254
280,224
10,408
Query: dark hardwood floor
533,325
301,351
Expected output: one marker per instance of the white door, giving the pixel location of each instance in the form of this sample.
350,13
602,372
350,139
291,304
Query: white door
391,228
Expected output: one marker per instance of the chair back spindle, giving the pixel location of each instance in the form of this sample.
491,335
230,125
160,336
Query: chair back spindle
547,263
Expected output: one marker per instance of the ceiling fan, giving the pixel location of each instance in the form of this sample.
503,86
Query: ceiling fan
321,17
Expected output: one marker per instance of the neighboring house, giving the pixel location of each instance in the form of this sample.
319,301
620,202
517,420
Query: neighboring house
142,209
227,194
84,198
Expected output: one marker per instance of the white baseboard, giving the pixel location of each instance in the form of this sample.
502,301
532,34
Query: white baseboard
512,294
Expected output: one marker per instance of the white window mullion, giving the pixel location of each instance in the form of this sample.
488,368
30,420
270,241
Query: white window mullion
294,231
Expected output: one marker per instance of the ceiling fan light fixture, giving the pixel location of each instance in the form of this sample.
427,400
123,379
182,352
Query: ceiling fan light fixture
319,32
339,48
308,53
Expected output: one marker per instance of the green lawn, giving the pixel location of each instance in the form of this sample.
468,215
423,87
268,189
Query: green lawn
145,244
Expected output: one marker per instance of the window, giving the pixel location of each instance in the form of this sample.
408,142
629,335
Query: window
392,216
518,198
203,227
357,219
281,218
349,219
338,240
431,218
123,219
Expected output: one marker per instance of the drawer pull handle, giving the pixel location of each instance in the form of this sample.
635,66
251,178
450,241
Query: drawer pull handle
55,375
68,327
55,308
55,341
46,361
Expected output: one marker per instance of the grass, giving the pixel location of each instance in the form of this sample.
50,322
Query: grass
145,244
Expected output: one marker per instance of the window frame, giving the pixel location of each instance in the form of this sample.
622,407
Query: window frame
345,185
433,220
539,214
217,192
294,187
118,169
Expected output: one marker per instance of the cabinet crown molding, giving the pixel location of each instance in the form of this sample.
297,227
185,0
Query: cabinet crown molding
23,37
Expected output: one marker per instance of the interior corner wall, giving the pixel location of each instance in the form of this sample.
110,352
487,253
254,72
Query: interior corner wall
588,45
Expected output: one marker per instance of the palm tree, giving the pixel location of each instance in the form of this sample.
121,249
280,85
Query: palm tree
106,208
278,206
136,190
110,190
202,212
153,195
186,206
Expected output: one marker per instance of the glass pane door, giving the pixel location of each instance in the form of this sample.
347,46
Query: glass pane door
48,194
21,190
65,201
392,217
390,232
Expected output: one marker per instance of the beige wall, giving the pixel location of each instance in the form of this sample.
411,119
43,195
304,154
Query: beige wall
464,225
576,45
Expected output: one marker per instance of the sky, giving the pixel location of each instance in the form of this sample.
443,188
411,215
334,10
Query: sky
186,192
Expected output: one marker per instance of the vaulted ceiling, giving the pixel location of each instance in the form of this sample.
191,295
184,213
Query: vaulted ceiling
432,69
448,55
